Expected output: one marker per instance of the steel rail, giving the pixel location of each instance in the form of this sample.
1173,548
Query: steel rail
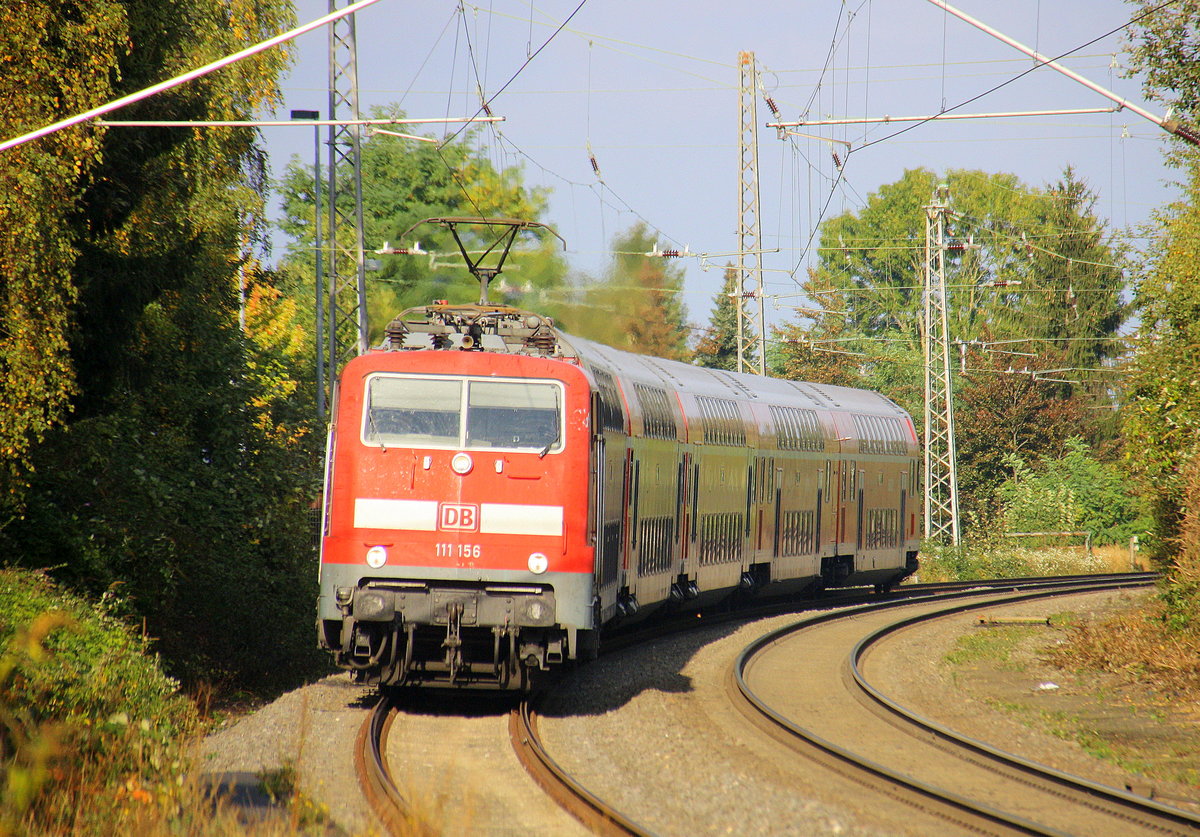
375,777
595,814
1046,582
1113,801
602,818
686,620
940,801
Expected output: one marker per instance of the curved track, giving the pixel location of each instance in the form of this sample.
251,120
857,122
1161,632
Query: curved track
816,698
375,777
600,818
589,809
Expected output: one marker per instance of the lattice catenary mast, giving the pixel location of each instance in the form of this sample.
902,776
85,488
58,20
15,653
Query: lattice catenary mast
941,470
750,316
345,268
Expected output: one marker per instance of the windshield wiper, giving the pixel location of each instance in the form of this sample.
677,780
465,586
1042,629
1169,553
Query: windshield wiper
374,429
557,433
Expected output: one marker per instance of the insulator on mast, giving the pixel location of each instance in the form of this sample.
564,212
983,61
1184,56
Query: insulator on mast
592,160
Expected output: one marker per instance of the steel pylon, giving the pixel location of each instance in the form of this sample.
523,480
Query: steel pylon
751,319
346,267
941,470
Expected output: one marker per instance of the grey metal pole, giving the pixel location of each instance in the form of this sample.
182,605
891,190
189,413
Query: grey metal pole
315,116
320,290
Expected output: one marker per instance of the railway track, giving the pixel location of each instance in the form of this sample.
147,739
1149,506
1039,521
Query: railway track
596,814
375,776
599,817
856,730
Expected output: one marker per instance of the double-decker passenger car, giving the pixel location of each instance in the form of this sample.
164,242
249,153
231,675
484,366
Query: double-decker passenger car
497,493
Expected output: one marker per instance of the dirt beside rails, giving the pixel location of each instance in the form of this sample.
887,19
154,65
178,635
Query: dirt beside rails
995,683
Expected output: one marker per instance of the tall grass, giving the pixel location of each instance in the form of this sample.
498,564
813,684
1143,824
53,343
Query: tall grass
1006,558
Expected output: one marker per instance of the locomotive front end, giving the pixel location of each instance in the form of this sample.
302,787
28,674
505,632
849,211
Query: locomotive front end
455,549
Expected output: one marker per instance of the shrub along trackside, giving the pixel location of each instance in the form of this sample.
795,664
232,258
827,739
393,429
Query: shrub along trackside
90,727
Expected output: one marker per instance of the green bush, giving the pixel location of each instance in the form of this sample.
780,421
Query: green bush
84,706
1074,493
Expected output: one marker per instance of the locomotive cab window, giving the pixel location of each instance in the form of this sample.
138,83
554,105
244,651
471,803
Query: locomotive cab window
406,411
512,414
425,412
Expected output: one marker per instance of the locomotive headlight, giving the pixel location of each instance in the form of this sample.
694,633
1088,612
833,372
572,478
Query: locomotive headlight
538,563
376,557
461,463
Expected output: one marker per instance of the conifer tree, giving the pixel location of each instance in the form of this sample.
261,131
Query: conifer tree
717,348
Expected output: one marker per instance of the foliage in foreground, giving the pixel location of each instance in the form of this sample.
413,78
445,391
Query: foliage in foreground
95,738
86,712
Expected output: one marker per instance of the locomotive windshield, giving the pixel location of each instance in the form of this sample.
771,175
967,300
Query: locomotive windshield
404,411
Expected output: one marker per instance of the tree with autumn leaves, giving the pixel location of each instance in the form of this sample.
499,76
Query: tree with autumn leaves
54,59
637,305
153,446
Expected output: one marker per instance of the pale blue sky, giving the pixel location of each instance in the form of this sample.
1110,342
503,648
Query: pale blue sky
652,87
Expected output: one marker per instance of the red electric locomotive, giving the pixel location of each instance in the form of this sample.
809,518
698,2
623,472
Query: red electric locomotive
497,492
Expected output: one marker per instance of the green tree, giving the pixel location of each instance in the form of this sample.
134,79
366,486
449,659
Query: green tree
718,346
55,59
1162,414
1074,493
1024,264
638,306
1006,414
189,465
1074,280
1031,274
799,358
1162,411
1163,47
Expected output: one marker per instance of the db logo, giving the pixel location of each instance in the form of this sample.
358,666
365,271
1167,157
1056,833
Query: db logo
464,518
